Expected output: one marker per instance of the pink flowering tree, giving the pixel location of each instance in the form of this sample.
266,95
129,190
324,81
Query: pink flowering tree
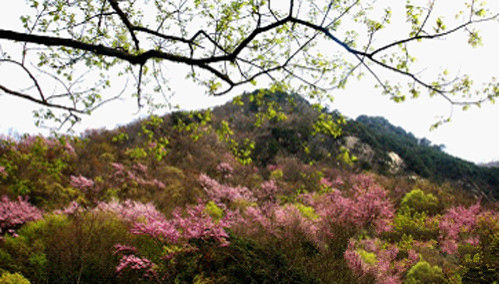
136,175
225,169
366,207
3,173
224,194
374,259
131,211
469,232
457,226
14,213
190,231
131,178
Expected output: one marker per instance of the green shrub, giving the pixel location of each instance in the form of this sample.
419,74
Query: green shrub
480,263
13,278
62,249
416,201
424,273
417,225
214,211
306,211
368,257
243,261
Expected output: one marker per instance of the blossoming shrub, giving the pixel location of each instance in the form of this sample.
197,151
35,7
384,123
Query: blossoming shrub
224,194
374,259
457,227
14,213
365,207
191,232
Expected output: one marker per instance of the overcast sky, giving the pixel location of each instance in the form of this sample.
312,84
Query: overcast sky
471,135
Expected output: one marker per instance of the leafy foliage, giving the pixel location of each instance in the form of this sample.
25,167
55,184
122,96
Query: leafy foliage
423,272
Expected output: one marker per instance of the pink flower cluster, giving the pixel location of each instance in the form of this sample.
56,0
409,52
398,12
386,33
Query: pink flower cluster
71,209
131,211
191,223
138,174
28,141
457,225
81,183
368,207
3,172
14,213
284,222
185,225
267,191
225,169
325,183
386,268
221,193
139,264
69,148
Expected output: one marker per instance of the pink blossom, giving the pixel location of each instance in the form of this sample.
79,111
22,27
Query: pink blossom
119,168
124,248
225,169
81,182
131,211
473,241
368,207
387,268
69,148
3,172
162,230
136,263
282,222
413,256
455,224
326,183
13,214
71,209
272,167
355,262
255,215
338,181
268,190
185,225
221,193
141,168
137,175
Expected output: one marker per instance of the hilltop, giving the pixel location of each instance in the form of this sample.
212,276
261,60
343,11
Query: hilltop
376,143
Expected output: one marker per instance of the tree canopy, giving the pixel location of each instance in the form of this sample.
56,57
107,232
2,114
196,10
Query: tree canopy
72,51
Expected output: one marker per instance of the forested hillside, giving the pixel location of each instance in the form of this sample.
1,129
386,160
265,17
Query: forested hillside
235,196
422,158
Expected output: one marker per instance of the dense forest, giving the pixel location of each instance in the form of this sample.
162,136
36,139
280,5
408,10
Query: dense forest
263,189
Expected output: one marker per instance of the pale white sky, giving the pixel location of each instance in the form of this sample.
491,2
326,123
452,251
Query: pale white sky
471,135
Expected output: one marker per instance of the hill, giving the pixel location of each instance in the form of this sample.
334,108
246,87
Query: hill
378,145
260,190
420,157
